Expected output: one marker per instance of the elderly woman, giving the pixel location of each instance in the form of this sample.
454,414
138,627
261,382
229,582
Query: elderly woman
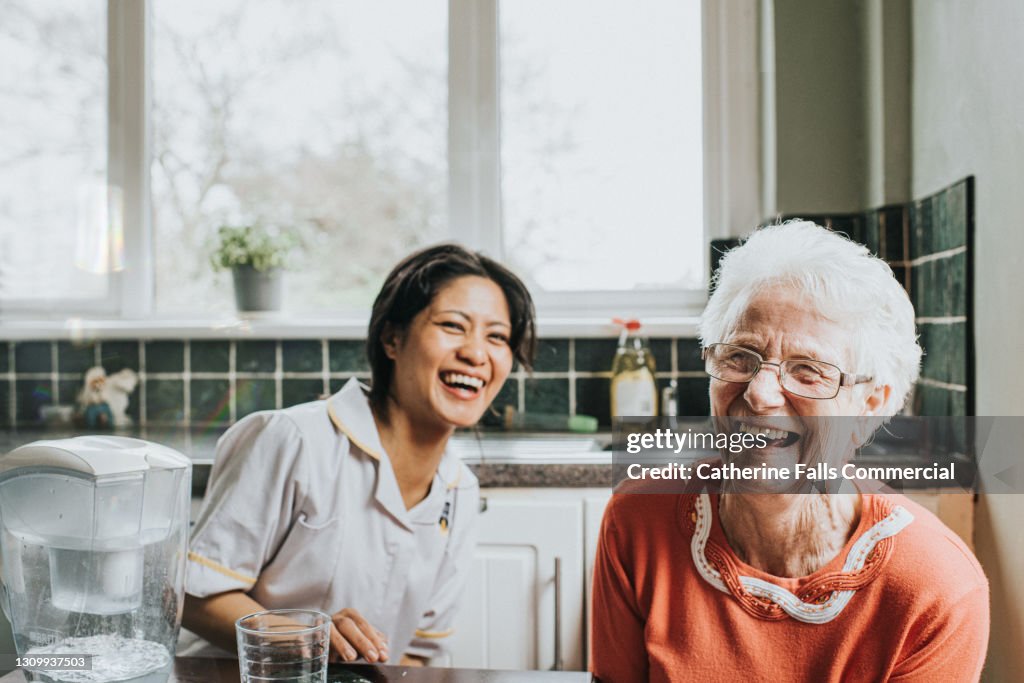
782,586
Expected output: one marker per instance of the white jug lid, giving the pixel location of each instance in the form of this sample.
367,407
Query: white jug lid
95,455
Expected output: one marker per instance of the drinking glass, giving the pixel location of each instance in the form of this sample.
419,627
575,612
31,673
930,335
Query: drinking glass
283,645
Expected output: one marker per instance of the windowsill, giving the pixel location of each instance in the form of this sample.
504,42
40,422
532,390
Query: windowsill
82,329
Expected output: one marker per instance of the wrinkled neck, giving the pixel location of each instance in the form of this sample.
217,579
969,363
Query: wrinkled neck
789,535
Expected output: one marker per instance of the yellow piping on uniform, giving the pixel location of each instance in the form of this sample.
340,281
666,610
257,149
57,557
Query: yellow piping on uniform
420,633
344,430
458,478
231,573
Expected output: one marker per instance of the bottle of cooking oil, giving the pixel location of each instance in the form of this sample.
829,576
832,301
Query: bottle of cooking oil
634,392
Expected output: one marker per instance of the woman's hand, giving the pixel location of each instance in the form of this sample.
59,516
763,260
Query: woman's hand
352,636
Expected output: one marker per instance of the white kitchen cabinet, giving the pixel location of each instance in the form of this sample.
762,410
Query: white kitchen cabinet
531,547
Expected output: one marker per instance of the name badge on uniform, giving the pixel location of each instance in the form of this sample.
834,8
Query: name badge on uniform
445,516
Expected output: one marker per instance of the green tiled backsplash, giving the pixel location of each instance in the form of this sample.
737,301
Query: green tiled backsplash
200,383
927,243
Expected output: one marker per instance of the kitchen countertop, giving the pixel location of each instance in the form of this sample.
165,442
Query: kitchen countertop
565,467
204,670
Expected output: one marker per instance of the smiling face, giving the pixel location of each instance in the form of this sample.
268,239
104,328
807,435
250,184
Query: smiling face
454,356
780,323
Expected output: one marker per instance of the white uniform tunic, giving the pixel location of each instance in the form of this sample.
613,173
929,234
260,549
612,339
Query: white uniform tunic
303,510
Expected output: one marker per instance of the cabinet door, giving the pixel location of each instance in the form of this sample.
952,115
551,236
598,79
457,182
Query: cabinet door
510,618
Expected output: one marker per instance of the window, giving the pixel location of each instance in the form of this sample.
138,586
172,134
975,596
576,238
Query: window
330,122
59,225
567,143
601,138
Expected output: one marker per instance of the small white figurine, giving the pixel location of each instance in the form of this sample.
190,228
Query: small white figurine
103,400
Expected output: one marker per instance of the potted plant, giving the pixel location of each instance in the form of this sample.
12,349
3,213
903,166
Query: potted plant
257,259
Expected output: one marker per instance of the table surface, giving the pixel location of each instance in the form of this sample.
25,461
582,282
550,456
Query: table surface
205,670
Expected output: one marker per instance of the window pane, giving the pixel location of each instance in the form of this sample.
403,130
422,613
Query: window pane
601,143
329,121
54,223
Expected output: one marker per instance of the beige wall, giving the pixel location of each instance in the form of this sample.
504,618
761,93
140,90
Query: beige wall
968,118
841,114
820,107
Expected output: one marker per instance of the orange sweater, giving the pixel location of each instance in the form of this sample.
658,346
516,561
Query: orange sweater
917,605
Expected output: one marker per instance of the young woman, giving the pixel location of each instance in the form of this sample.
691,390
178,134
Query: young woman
351,505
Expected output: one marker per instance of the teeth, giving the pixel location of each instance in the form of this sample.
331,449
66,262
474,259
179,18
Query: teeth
771,434
456,378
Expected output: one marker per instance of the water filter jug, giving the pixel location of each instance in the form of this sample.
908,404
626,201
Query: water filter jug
93,534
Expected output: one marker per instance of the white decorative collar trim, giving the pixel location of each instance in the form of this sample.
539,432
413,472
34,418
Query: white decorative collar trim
810,613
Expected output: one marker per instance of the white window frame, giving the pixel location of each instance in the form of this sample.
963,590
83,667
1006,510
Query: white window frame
738,158
733,154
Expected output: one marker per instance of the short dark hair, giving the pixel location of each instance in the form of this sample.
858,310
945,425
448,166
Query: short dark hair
412,285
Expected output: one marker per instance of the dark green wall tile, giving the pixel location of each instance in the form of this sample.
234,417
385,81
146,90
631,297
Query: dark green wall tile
851,226
252,395
165,400
295,391
940,286
32,356
67,392
4,361
595,355
945,348
949,219
958,404
5,403
662,350
870,221
954,228
118,355
210,401
593,397
75,358
921,227
932,401
347,355
256,356
547,396
552,355
508,396
939,222
301,355
688,355
32,394
693,397
165,356
210,356
891,226
134,410
900,273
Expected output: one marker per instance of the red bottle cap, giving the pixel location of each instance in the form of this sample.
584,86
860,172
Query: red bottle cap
632,324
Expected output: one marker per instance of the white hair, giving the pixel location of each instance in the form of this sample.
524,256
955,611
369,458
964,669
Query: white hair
846,284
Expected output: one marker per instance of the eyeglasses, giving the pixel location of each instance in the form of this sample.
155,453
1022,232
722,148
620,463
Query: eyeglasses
799,376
